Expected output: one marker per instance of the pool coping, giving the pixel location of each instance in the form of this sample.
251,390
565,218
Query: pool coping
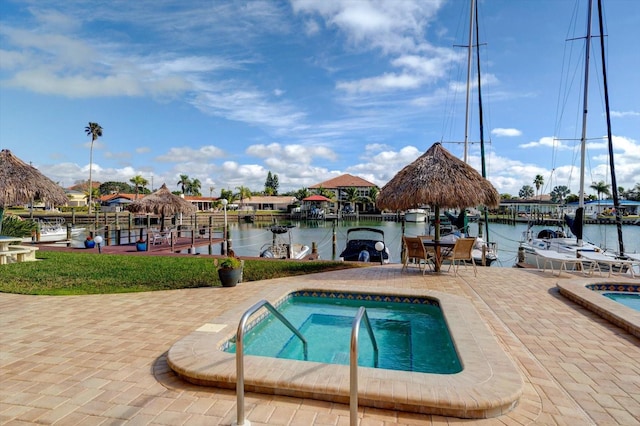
488,386
616,313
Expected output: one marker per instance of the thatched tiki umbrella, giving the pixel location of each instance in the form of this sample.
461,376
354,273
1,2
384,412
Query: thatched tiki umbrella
22,183
163,203
440,179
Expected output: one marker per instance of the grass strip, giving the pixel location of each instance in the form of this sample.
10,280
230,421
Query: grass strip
63,273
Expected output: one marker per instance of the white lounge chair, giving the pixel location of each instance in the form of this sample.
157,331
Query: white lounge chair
598,259
550,257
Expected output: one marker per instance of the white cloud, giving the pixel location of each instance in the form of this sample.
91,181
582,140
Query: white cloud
281,158
622,114
547,141
506,132
389,26
188,154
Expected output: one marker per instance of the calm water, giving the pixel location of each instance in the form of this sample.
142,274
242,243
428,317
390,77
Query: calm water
410,337
247,239
631,300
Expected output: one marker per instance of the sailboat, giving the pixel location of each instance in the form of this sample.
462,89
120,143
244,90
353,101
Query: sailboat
484,253
549,243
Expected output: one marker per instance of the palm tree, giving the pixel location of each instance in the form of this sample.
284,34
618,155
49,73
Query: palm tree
302,193
92,193
325,192
352,196
183,182
601,188
374,191
538,182
95,131
194,188
243,192
138,182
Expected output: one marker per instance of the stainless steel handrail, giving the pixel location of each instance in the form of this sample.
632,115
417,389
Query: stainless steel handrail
353,361
240,350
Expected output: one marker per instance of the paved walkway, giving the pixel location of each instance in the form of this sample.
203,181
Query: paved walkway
101,359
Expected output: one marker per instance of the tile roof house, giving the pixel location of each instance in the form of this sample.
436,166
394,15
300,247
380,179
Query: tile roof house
338,186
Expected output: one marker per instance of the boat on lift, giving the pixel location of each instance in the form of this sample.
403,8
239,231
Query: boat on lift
281,248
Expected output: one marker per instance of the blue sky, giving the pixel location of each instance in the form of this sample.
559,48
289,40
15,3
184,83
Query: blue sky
226,91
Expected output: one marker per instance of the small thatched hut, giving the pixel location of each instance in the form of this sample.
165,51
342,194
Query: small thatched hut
22,183
162,202
440,179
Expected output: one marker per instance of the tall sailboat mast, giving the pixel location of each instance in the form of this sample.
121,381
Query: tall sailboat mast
614,183
481,120
469,56
583,139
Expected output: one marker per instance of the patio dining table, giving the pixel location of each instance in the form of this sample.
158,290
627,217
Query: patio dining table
6,241
441,249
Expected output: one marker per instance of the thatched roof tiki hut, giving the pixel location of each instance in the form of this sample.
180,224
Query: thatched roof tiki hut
440,179
163,203
22,183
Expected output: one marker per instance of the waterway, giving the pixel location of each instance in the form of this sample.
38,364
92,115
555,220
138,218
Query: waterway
330,238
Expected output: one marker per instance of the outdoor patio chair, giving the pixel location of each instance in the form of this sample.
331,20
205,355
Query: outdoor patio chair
415,253
461,254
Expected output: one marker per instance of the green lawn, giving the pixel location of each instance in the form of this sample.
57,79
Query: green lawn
62,273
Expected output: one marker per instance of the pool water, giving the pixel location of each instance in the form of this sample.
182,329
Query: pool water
630,300
410,336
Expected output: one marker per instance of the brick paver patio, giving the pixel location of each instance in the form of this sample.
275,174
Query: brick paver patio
101,359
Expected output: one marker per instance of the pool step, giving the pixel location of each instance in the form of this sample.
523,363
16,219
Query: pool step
341,358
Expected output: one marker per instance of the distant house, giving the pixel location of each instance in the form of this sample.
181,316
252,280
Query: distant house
540,204
340,184
116,202
78,193
268,202
76,198
201,203
606,208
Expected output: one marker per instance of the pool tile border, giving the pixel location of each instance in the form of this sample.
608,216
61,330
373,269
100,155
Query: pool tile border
489,385
587,293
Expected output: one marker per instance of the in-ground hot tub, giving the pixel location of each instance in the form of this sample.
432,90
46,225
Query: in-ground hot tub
488,385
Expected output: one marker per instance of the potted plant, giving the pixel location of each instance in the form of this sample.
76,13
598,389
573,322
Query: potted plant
141,245
230,271
89,242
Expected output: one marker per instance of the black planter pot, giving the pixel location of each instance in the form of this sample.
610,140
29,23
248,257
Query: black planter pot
229,277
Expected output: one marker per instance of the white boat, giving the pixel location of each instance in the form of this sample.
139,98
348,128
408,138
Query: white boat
53,230
542,246
281,248
416,215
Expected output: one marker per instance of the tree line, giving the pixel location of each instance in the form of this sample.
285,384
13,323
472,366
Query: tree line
562,193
